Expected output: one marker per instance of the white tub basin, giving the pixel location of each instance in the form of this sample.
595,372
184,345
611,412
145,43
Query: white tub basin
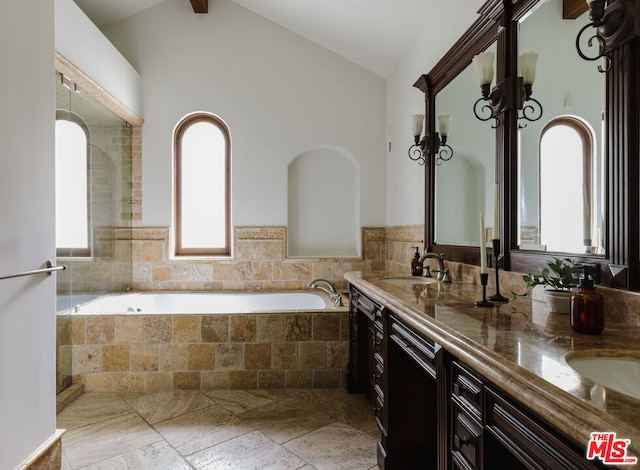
618,373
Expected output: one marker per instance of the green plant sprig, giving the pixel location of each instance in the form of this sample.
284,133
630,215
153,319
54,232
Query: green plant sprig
560,275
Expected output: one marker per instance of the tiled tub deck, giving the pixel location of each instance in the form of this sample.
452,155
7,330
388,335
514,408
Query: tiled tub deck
154,352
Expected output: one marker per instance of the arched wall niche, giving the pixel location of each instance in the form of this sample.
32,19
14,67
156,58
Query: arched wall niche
323,207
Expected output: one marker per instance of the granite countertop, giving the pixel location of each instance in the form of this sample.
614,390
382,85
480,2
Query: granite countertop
522,348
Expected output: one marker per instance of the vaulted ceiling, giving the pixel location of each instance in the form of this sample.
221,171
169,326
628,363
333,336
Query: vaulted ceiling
374,34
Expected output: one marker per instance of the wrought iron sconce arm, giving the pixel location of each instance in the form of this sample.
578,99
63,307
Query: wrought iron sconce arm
417,150
431,145
443,152
529,109
613,23
491,104
510,93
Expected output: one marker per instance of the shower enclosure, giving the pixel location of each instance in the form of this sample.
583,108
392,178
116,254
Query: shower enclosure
93,208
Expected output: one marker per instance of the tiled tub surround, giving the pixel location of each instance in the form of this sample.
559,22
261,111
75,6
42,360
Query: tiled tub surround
301,350
149,353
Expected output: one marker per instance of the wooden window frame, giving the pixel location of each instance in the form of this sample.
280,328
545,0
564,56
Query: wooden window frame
179,132
587,137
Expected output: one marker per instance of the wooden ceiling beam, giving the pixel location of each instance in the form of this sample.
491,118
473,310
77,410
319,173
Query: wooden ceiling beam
572,9
202,6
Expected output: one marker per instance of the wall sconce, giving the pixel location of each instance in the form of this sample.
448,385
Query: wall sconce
494,101
430,145
613,23
528,108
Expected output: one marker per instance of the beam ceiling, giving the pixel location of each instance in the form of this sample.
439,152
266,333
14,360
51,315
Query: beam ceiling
202,6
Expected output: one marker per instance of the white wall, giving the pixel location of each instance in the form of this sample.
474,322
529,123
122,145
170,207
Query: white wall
405,178
279,94
82,43
27,304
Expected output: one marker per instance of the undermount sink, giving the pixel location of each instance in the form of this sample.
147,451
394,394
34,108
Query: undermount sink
618,373
410,280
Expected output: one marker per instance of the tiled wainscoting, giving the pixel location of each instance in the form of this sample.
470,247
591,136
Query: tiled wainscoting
138,258
203,352
259,262
148,353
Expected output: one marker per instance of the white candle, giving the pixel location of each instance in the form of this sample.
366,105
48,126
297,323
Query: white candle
496,205
586,214
483,247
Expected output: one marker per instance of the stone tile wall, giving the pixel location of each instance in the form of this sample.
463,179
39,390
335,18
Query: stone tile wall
148,353
165,352
400,242
259,262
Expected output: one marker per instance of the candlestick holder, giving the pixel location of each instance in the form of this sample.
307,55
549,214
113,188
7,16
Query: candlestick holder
484,278
497,297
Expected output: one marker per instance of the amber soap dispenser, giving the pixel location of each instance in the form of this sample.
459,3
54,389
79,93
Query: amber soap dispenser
416,266
587,306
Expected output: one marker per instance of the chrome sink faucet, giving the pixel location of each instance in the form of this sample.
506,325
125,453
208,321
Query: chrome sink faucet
329,288
443,273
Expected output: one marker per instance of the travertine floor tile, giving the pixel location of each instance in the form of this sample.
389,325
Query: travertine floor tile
239,429
160,406
349,409
91,408
286,419
248,452
158,456
105,439
201,429
240,401
337,447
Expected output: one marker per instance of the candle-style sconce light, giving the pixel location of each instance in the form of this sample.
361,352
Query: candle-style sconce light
511,92
613,22
430,145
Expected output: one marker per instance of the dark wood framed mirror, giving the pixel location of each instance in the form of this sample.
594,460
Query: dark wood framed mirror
618,253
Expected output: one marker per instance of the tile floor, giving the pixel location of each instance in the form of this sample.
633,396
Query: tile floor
240,429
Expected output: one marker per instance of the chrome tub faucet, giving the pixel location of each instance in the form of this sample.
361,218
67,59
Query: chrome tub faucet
329,288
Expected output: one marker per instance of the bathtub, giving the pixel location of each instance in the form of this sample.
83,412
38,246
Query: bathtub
204,303
155,341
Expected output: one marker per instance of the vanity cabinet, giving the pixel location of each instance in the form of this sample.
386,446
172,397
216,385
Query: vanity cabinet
366,372
435,412
404,399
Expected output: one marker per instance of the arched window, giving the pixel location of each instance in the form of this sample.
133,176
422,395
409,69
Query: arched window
566,181
71,177
202,150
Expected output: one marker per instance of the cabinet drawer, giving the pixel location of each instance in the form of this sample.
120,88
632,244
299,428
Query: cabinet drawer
535,444
378,372
378,410
466,389
378,338
368,307
422,350
466,439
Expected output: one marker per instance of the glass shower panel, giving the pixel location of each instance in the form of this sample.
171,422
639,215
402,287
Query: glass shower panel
93,206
